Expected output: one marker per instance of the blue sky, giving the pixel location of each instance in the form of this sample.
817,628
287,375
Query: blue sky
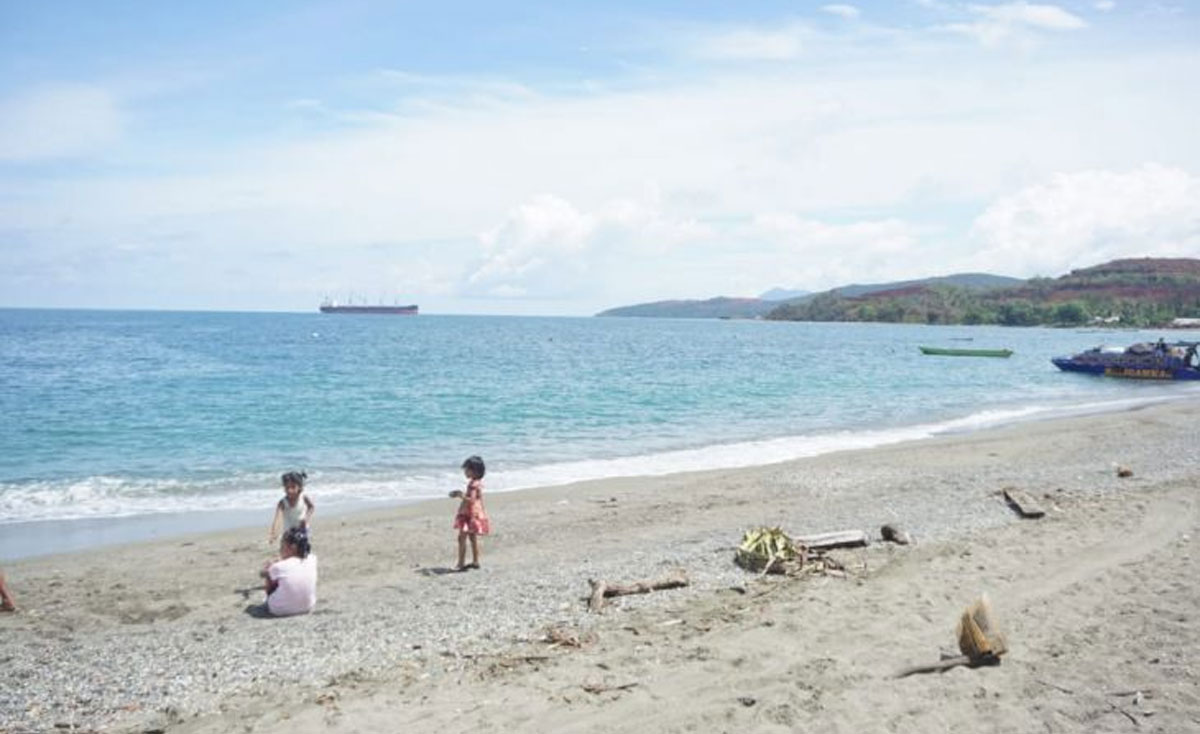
561,158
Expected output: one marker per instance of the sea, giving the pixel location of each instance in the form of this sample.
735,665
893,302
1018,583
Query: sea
120,426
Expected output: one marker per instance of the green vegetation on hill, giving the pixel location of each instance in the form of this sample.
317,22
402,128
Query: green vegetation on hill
1135,292
750,308
970,281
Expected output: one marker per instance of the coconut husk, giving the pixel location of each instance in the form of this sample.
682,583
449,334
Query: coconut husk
978,637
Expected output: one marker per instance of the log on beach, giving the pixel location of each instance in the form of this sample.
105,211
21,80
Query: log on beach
602,590
1023,503
839,539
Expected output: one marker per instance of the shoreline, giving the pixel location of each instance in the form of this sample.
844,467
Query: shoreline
20,540
158,633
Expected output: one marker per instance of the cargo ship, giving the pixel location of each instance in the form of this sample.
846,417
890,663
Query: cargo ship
335,307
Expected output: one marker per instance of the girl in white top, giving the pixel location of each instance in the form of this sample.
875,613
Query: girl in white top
295,509
291,580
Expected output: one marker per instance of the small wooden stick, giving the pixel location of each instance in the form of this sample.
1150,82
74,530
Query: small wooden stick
602,590
1055,686
1127,715
601,688
948,663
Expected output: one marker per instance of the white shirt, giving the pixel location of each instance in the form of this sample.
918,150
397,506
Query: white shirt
297,589
293,514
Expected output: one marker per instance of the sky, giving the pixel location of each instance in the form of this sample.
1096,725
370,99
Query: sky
560,158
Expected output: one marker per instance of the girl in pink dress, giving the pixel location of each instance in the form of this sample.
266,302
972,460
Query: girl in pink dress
471,521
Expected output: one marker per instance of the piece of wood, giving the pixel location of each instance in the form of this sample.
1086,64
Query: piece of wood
948,663
1025,505
597,688
602,590
596,600
895,534
839,539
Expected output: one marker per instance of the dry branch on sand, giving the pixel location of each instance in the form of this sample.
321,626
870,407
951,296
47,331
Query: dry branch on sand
597,688
602,590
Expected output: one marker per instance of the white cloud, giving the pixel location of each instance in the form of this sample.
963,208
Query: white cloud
530,251
1088,217
1104,5
820,254
752,44
58,121
849,12
1015,22
549,248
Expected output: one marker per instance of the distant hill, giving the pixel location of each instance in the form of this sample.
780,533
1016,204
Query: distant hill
1133,292
750,308
972,281
782,294
713,308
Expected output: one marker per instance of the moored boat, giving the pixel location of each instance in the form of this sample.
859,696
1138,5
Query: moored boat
957,352
1141,361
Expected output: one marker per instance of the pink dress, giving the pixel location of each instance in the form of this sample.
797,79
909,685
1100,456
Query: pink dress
471,517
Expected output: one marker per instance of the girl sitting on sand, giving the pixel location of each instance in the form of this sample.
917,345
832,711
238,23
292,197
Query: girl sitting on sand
291,580
471,521
295,509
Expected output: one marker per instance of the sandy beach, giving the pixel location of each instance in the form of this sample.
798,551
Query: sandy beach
1097,600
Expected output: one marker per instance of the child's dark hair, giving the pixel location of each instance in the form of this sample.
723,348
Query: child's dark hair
474,466
298,538
294,477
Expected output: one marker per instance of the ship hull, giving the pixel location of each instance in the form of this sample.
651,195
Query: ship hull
386,310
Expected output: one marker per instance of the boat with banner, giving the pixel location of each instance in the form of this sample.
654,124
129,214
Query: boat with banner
335,307
1141,361
961,352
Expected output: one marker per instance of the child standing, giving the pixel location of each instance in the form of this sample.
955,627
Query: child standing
7,604
471,521
295,509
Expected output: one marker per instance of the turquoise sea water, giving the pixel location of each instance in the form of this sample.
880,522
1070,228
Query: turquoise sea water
140,415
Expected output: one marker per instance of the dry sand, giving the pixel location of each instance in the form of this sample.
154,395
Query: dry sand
1097,601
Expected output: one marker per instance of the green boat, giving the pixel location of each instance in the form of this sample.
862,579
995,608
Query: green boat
954,352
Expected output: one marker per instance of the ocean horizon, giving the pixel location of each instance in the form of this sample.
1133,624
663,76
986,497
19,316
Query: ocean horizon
129,425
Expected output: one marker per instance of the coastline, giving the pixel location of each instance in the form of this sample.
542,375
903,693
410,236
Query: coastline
52,536
120,638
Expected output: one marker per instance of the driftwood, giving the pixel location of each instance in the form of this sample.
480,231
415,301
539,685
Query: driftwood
602,590
895,534
978,640
1124,472
1025,505
840,539
597,688
948,663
